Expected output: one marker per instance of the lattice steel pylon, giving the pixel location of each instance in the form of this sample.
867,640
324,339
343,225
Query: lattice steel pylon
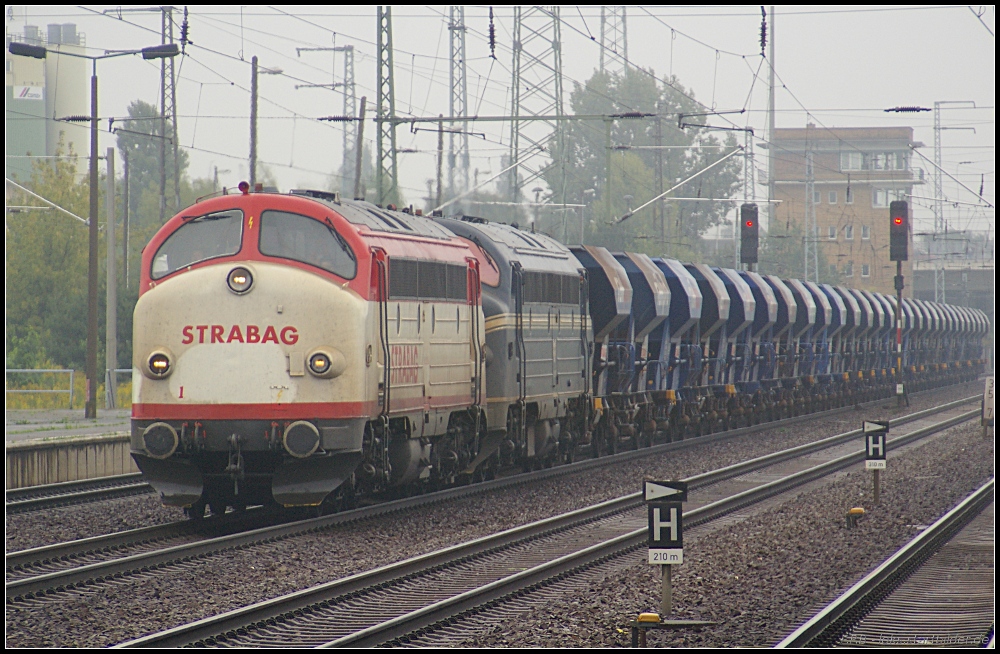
536,90
458,104
614,40
350,109
386,175
168,103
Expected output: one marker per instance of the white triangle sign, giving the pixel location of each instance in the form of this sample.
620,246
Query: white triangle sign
656,491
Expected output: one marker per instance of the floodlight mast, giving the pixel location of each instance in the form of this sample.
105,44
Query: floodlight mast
40,52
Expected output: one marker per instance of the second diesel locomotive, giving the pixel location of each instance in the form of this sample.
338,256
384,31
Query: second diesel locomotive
299,349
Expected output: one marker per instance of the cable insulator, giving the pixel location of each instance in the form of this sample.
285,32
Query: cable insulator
763,30
493,36
184,31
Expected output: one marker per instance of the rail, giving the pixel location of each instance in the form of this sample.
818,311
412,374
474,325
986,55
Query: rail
826,627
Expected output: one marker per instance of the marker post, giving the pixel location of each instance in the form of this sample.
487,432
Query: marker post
663,500
875,432
666,548
989,398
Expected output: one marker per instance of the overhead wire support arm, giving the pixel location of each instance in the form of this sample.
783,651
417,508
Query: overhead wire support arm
682,116
48,202
455,199
985,201
631,213
504,119
748,130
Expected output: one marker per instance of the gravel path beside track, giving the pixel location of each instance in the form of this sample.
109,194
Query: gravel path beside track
762,577
108,616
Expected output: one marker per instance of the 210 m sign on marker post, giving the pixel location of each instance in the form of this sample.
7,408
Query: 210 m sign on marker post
666,545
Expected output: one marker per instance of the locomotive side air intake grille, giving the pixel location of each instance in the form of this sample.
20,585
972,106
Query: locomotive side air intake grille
433,280
551,288
428,280
403,278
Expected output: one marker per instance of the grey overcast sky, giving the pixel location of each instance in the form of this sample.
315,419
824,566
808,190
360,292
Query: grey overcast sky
837,66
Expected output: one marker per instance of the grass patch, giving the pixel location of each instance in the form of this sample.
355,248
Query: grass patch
58,381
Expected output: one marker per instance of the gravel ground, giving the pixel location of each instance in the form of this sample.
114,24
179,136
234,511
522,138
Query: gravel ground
105,616
764,576
37,528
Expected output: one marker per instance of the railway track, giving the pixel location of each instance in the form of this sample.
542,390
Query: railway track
50,496
406,601
51,569
936,591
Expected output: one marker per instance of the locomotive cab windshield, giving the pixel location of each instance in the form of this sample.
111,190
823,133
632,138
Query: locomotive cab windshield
213,235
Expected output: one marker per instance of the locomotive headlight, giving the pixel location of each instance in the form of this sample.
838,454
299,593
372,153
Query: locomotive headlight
326,362
319,363
240,280
158,365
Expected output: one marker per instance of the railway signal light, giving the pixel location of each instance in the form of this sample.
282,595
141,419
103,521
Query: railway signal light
749,233
899,230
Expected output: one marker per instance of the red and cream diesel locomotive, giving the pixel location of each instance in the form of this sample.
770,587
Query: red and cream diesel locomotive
260,343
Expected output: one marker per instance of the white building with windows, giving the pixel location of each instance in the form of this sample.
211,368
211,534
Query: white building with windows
856,173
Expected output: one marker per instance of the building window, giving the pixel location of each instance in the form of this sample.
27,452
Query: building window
849,196
866,232
849,233
817,197
874,161
851,160
832,197
849,269
865,270
881,197
833,233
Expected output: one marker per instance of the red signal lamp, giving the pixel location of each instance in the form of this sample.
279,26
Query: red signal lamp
898,220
